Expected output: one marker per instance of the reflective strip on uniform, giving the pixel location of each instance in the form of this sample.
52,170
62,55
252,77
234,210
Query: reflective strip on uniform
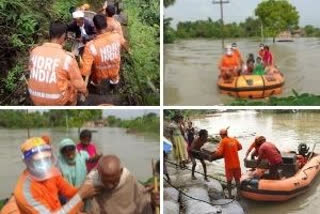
44,95
70,205
67,62
30,200
93,49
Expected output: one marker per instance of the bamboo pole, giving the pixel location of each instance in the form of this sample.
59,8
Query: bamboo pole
155,185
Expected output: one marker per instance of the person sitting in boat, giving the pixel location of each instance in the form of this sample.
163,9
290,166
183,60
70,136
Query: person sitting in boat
228,148
254,147
229,64
195,153
302,156
269,152
267,57
122,194
259,68
249,66
41,182
237,52
261,50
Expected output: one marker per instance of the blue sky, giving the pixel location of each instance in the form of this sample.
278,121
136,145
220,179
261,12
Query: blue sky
237,10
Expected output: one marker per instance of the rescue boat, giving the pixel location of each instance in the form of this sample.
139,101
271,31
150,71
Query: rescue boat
295,181
253,86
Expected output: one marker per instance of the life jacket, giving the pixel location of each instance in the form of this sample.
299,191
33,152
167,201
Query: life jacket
55,77
102,57
229,61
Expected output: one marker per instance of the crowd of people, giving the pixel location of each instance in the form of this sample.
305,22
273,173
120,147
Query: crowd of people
76,179
187,147
232,63
56,77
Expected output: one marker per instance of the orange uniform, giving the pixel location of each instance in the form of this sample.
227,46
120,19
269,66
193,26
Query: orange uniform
55,77
114,26
229,62
102,57
10,207
238,55
229,147
35,197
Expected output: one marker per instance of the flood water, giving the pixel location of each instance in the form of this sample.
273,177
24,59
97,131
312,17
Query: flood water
286,131
191,68
135,151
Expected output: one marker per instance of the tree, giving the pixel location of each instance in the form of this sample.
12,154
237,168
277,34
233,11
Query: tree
277,16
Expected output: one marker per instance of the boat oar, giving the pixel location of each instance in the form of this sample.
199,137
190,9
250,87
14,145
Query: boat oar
155,185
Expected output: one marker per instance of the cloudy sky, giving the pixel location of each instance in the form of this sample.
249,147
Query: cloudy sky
128,114
237,10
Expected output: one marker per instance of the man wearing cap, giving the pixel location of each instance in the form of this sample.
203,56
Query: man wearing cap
55,77
38,187
229,64
269,152
102,56
228,148
82,27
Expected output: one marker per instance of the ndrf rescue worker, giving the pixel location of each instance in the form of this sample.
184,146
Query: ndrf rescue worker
102,56
55,78
40,184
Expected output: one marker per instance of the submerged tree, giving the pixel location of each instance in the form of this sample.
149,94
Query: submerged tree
277,16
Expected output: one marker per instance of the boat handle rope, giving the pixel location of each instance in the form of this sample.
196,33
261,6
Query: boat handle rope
315,166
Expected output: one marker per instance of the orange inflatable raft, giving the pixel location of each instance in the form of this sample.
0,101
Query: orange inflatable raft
253,86
296,181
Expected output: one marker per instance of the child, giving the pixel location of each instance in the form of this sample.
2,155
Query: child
86,145
259,69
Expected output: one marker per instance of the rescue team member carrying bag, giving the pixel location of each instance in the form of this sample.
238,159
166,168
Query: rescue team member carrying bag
55,78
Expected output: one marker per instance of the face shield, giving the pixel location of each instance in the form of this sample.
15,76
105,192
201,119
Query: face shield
40,162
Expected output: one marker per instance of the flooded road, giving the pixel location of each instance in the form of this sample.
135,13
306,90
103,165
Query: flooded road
135,151
286,131
191,68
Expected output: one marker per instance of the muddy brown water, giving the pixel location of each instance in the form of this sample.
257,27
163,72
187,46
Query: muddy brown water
191,73
286,131
135,151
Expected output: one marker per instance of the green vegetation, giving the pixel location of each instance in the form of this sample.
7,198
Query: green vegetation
296,99
277,16
187,113
25,23
52,118
149,124
142,67
212,29
311,31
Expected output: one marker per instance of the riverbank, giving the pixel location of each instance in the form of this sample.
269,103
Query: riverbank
303,99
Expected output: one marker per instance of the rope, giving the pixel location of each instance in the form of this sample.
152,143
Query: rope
186,168
197,199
